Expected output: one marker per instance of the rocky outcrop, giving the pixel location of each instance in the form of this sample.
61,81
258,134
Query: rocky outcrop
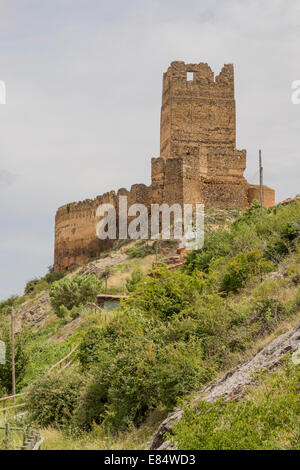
233,385
32,311
100,265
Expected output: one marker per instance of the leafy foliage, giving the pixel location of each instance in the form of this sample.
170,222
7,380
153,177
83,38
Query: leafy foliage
141,249
165,292
6,305
136,277
52,399
178,329
242,267
37,285
274,232
69,293
129,378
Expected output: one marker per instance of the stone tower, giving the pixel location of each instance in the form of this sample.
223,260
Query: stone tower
197,109
198,160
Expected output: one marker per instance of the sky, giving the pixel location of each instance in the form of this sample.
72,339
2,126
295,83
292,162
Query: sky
83,94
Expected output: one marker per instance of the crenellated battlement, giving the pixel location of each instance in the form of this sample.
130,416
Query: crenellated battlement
200,79
197,109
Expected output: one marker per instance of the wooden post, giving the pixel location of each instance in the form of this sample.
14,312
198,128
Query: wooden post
157,249
261,189
13,369
6,435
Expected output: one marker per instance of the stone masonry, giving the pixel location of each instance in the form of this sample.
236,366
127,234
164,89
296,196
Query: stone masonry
198,162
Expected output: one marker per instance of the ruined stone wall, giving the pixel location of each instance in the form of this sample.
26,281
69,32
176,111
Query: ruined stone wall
206,179
198,162
76,241
75,233
268,195
197,111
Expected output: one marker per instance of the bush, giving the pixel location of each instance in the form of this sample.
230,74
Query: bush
217,244
274,231
129,378
6,305
37,285
242,267
88,350
136,277
165,293
53,276
69,293
30,286
51,400
141,250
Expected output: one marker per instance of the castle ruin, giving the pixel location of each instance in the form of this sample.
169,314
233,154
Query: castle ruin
198,161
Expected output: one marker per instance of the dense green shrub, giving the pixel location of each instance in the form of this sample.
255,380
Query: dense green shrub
88,350
242,267
217,244
136,277
30,286
141,249
130,377
37,285
165,292
6,305
53,276
274,231
68,293
51,400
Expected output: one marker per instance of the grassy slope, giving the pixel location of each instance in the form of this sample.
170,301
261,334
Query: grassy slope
137,437
266,418
48,344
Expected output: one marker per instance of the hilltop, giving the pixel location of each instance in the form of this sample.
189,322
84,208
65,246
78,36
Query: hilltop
176,335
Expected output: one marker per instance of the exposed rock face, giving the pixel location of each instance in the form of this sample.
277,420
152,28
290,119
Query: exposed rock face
234,384
198,162
98,267
32,311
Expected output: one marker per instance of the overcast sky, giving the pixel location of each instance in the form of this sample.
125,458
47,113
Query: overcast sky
83,82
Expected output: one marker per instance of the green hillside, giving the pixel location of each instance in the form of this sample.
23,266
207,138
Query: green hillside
178,331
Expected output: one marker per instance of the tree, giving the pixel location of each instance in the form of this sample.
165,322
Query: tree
106,274
242,267
68,293
136,277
